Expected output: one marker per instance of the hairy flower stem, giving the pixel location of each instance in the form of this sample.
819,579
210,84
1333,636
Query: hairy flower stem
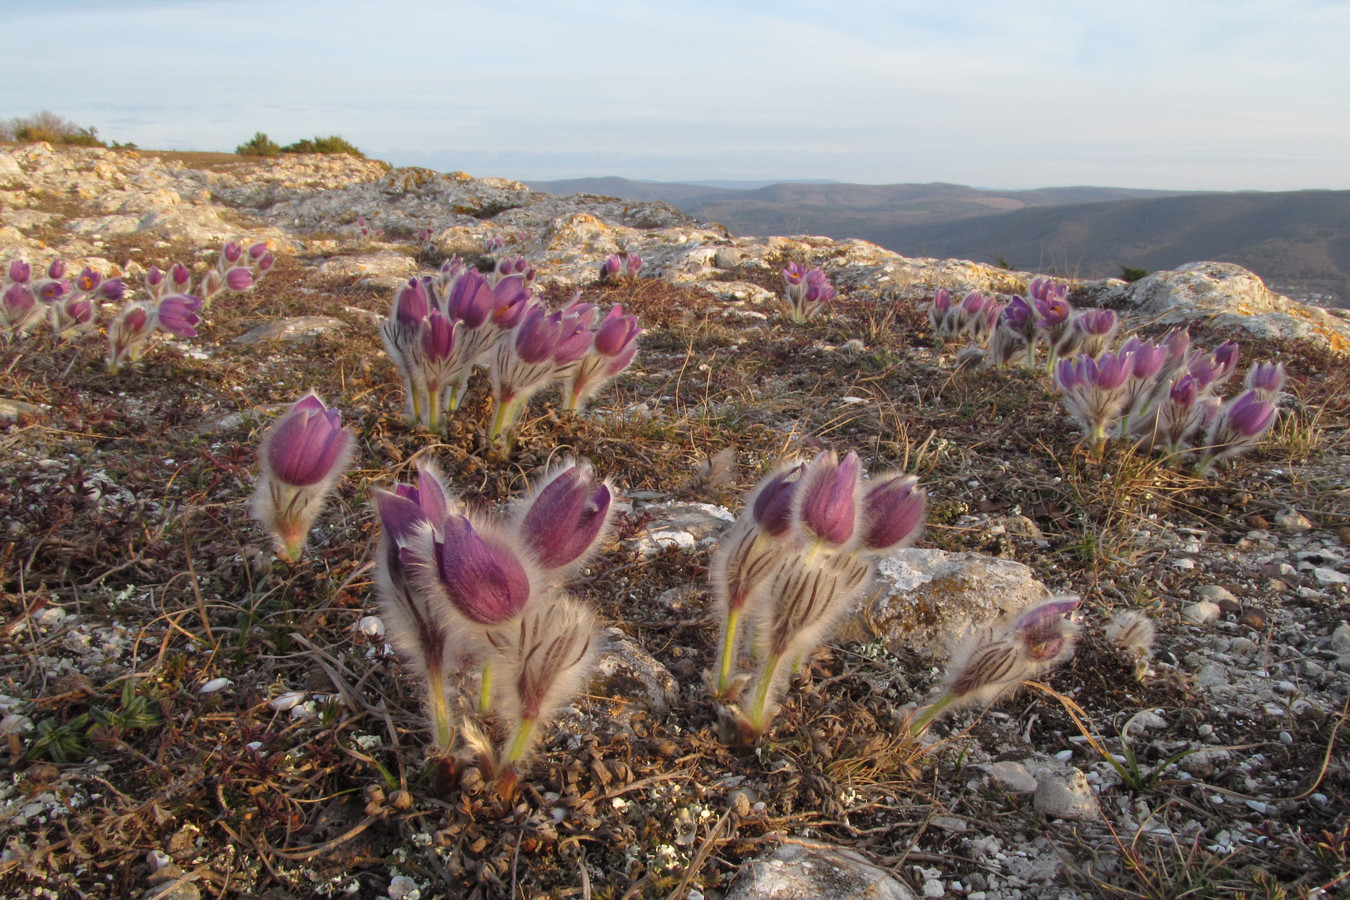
440,716
456,394
416,402
925,718
728,652
756,715
508,410
485,689
433,410
520,743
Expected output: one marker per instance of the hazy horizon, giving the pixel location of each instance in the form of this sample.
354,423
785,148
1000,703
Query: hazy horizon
1205,96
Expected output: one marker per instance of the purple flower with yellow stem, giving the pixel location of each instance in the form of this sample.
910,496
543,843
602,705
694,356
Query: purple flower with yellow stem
745,557
302,456
1095,393
611,351
1237,427
995,660
523,365
419,630
19,310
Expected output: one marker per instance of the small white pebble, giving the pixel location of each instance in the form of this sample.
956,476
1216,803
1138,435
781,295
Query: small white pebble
1064,755
1286,737
370,626
157,859
215,684
288,700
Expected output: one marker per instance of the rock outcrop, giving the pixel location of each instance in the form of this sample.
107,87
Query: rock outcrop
71,202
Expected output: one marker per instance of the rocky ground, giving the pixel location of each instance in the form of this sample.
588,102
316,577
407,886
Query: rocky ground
187,717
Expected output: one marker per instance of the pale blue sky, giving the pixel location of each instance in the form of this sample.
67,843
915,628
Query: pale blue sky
1176,94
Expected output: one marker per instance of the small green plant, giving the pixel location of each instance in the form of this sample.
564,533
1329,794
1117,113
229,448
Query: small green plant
259,145
1130,274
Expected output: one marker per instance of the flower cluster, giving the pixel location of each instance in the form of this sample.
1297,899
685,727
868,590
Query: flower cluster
67,304
805,293
366,232
1165,395
441,327
1048,321
476,606
236,269
619,267
973,318
799,555
172,306
301,458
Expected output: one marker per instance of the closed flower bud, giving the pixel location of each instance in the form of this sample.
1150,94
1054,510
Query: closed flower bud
566,517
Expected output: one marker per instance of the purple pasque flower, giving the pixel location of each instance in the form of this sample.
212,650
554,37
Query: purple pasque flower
525,363
401,334
771,502
480,570
302,456
231,252
177,314
436,365
994,660
1237,427
307,444
976,316
417,628
634,265
74,312
565,518
1266,378
471,299
1046,631
128,333
57,268
20,271
1053,315
805,293
154,282
1095,328
611,351
1184,410
19,309
88,280
52,290
940,314
611,268
1095,392
1005,344
180,278
893,507
239,278
827,510
1211,370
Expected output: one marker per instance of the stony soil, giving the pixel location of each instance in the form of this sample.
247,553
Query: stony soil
187,716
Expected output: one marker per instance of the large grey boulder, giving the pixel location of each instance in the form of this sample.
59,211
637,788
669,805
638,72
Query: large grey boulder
925,599
1227,295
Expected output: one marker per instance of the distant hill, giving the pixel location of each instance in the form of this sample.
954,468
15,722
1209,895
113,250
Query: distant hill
1298,242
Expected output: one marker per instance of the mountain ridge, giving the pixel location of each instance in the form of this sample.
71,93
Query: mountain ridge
1298,241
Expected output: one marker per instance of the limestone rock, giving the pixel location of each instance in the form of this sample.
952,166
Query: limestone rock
626,675
1065,795
923,600
1225,294
293,329
815,873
